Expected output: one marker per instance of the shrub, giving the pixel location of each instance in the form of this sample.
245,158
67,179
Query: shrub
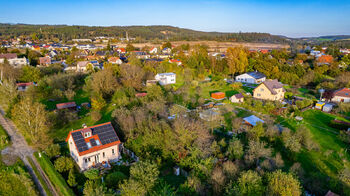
63,164
53,150
92,174
113,179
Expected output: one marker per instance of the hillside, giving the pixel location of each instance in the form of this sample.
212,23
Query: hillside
141,33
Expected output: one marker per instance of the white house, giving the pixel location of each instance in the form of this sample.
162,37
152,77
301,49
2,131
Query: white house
237,98
166,51
82,66
95,145
153,50
342,95
166,78
253,77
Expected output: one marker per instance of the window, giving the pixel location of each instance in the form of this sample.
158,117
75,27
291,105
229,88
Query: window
89,145
98,142
103,154
261,89
112,151
89,159
86,160
258,94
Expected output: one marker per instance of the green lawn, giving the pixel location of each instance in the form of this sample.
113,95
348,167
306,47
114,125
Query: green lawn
331,158
56,179
42,182
79,98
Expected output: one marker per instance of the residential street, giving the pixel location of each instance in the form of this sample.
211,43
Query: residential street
20,148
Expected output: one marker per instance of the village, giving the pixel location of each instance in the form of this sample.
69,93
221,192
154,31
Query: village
194,117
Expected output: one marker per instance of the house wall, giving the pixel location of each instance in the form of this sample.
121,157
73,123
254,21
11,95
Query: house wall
262,92
166,79
245,78
80,160
341,99
233,99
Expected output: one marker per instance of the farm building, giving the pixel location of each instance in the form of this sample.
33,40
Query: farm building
218,95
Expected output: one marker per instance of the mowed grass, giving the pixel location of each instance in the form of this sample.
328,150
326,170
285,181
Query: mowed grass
79,98
331,157
56,179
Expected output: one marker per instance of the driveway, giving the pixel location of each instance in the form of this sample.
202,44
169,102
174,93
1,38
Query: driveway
21,149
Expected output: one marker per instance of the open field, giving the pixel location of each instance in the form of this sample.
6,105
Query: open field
214,46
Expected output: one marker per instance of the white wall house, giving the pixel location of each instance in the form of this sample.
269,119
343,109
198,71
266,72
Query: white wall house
153,50
94,145
253,77
166,78
16,62
342,95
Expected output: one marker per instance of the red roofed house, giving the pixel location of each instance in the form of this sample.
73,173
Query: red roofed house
121,50
141,94
153,50
218,95
342,95
23,86
68,105
8,56
91,146
115,60
325,59
45,61
177,61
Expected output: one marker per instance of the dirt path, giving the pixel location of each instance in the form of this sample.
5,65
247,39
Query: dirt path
21,149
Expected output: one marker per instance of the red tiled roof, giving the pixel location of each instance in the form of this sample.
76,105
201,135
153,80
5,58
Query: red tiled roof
140,94
66,105
175,61
93,148
345,92
113,59
325,59
24,84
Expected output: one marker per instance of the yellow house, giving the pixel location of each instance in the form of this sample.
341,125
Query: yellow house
269,90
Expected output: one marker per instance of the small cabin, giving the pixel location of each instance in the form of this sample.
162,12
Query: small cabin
319,105
218,95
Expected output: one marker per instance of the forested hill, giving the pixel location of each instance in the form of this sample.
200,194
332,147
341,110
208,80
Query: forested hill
141,33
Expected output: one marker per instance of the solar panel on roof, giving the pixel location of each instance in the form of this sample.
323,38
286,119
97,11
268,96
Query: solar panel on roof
93,142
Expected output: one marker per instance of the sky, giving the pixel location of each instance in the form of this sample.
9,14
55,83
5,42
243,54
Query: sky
297,18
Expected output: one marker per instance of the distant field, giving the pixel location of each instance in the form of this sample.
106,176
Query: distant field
214,46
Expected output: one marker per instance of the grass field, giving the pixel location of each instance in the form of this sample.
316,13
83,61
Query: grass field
79,98
42,182
331,157
55,177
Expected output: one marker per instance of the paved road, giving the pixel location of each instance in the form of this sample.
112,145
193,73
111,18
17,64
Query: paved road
21,149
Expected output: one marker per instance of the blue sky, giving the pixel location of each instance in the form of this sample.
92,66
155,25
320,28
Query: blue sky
291,18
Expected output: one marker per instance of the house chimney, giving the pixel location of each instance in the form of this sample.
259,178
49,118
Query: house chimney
84,126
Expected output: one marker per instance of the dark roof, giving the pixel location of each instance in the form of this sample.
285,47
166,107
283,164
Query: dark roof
272,85
66,105
256,74
104,133
238,96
